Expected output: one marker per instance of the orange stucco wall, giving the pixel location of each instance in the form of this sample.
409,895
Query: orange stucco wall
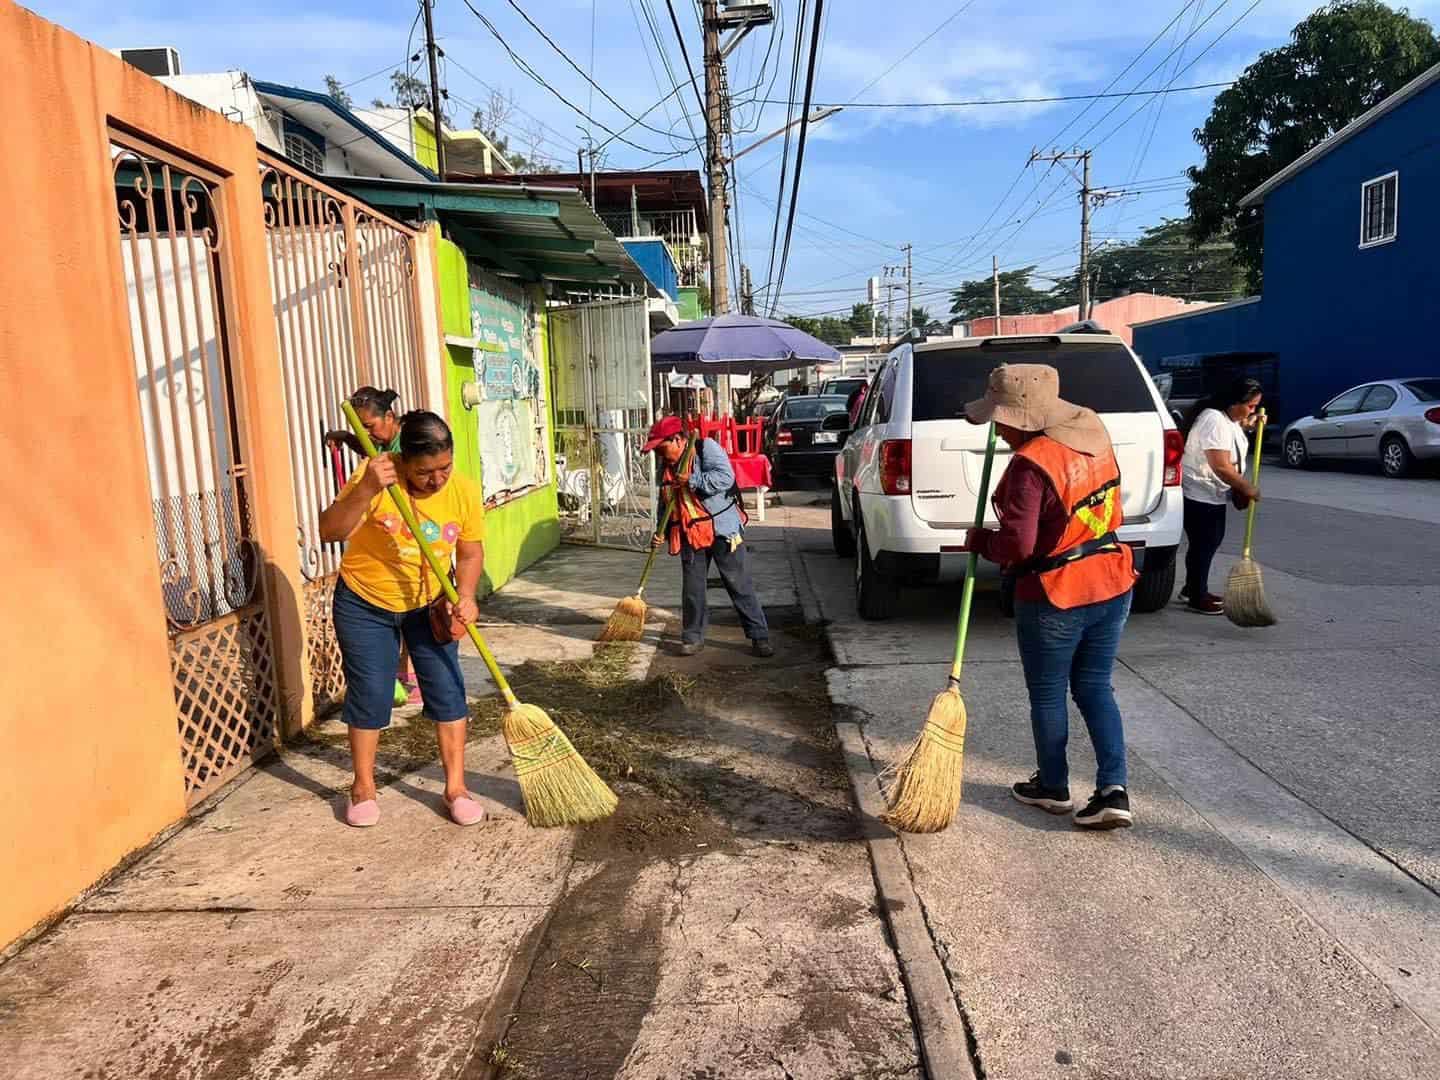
89,754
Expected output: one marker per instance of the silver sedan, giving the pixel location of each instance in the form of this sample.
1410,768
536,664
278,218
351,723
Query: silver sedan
1393,421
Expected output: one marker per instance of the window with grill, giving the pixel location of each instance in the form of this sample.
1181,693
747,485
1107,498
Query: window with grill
1378,200
303,152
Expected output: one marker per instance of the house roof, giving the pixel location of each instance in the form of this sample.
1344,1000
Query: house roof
1415,86
1202,309
529,232
320,111
465,149
678,189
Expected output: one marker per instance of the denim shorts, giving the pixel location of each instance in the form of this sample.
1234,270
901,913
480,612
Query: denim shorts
369,639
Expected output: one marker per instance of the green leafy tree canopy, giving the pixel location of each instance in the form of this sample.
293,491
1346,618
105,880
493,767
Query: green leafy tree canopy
1164,260
336,91
1341,61
976,299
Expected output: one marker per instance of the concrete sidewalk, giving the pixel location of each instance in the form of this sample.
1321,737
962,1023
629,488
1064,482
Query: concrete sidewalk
727,927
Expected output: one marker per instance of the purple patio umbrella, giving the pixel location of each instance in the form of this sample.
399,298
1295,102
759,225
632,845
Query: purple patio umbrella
737,345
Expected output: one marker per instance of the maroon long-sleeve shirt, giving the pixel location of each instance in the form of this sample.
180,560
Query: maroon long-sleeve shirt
1032,521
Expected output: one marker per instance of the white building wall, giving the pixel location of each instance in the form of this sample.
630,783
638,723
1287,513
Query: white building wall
232,95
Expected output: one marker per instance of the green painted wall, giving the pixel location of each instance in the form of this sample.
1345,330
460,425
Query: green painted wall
424,145
524,530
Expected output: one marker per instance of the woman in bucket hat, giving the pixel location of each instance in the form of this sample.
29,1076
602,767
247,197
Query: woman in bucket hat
1058,506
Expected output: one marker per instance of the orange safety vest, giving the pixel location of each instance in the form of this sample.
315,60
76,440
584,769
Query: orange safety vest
1089,486
690,517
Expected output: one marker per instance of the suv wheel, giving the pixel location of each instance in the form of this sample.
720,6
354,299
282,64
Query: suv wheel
875,597
1395,457
1157,581
1296,456
840,534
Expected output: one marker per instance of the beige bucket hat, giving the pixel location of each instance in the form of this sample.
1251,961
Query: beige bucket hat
1027,396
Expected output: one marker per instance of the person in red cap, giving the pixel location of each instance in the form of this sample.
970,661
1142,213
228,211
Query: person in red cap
706,526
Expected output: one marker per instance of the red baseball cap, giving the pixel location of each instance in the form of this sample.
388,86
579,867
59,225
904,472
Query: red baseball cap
667,427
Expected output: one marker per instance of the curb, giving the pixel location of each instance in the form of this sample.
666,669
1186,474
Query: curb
939,1028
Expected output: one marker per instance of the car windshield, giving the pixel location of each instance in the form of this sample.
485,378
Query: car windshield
1424,389
1100,375
843,387
813,408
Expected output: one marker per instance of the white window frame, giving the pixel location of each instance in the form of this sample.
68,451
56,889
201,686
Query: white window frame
1364,190
302,158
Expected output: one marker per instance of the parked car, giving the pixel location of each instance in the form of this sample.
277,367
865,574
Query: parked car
803,437
906,482
1393,421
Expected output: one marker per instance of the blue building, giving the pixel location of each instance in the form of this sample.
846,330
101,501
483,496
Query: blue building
1351,277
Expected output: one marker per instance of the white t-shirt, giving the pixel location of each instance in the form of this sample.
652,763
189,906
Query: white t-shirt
1213,430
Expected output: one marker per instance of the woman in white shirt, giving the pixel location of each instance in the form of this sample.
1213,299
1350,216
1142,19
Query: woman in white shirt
1213,474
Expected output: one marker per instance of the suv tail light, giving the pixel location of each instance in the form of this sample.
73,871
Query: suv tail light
1433,415
895,466
784,437
1174,451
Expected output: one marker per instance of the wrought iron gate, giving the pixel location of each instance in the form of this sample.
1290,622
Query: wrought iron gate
600,379
221,651
342,280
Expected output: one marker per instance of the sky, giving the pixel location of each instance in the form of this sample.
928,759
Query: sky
952,182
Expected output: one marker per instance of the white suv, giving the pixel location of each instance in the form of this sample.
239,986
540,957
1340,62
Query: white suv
906,480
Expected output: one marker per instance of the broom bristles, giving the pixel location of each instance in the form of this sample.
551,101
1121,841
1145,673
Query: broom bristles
559,786
1245,603
626,622
926,790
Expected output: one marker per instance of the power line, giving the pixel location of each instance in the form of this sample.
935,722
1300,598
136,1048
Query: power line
913,50
685,53
566,57
815,33
525,67
785,149
979,102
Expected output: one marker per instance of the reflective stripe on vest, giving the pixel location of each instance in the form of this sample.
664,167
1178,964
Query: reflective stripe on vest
1090,487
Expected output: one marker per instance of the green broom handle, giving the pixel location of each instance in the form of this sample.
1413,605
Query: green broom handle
1254,479
402,504
664,520
968,592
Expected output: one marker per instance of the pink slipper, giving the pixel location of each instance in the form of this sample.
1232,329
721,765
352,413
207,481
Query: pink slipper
362,814
465,811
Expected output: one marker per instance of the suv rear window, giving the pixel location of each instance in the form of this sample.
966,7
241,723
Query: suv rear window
1099,375
813,408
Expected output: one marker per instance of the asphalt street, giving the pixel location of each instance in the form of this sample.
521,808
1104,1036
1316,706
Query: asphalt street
1274,912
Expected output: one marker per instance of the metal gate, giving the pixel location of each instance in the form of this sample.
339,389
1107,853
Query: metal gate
221,651
342,281
600,379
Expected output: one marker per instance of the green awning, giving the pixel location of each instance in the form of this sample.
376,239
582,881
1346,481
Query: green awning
528,232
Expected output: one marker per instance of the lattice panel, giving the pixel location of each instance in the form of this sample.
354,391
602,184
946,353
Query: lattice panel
226,698
322,648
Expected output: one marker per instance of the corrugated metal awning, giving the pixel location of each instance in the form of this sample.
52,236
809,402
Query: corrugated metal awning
528,232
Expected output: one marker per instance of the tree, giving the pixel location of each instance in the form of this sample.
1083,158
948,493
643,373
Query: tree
495,114
1164,260
336,91
976,299
1342,60
862,320
827,328
409,92
920,317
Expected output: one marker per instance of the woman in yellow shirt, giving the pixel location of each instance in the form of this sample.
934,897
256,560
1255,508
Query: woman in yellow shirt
381,598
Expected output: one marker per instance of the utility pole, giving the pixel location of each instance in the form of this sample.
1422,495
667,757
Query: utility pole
715,163
432,50
747,294
995,273
1089,198
909,290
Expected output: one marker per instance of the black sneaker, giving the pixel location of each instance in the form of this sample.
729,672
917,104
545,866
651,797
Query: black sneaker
761,647
1051,799
689,648
1209,604
1107,811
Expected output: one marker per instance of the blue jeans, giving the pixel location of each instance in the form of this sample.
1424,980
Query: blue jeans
1073,648
369,639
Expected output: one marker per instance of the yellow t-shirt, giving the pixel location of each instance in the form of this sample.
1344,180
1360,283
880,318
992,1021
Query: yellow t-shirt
382,561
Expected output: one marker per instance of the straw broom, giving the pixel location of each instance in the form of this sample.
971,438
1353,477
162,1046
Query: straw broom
627,621
926,790
559,786
1245,603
